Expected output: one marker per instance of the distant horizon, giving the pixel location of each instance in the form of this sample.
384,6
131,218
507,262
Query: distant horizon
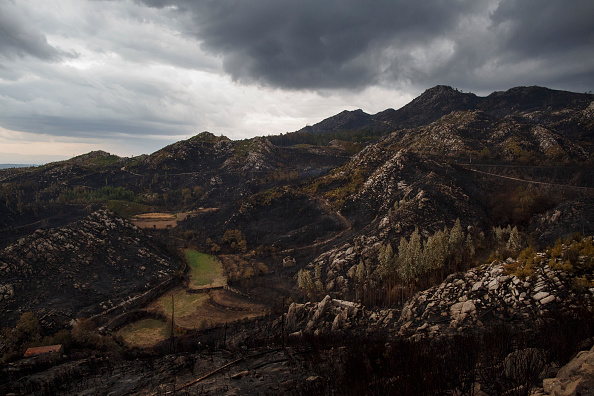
132,76
20,160
9,166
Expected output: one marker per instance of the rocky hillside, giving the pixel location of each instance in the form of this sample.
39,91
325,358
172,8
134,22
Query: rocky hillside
569,216
374,222
521,318
476,133
566,111
80,269
465,301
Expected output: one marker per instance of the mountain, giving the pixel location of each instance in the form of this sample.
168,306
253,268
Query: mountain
534,104
400,227
79,270
345,120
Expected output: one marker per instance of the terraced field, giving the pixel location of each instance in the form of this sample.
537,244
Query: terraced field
144,333
205,303
206,271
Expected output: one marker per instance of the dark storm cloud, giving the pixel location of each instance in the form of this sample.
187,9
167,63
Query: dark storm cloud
545,28
315,44
19,37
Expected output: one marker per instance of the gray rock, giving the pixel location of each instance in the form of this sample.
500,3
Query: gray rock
493,285
575,378
547,300
319,313
540,295
477,286
468,308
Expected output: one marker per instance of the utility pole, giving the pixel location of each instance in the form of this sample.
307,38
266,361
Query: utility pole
283,323
172,334
225,337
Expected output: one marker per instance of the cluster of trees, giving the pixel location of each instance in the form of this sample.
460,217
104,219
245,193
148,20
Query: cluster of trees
28,333
20,197
363,135
312,288
235,240
418,263
82,194
506,242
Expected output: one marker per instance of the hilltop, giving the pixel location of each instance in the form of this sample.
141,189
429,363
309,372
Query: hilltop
409,225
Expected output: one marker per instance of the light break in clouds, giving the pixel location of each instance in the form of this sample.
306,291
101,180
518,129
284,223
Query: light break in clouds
132,76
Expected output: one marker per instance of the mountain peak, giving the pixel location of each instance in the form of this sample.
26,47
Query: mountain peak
208,137
345,120
94,157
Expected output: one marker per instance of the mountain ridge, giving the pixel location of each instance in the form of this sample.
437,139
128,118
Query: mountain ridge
441,100
411,228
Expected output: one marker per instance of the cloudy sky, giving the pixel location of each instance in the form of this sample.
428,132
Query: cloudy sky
131,76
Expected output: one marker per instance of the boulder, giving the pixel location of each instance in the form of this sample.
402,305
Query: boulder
318,314
575,378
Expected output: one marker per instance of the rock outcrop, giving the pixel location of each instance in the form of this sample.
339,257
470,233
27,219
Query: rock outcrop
79,269
576,378
468,300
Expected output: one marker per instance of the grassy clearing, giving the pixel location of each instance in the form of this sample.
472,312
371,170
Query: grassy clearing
205,270
144,333
195,311
185,303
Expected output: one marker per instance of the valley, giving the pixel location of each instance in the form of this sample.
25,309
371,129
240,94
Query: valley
355,255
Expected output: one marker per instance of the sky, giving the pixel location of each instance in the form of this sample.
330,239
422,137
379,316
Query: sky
132,76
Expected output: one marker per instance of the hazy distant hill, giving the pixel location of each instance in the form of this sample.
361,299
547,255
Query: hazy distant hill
6,166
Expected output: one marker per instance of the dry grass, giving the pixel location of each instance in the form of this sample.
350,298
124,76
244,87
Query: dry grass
155,220
185,303
204,310
144,333
155,216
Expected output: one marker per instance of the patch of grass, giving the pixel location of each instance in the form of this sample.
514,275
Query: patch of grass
106,161
184,303
204,269
144,333
126,209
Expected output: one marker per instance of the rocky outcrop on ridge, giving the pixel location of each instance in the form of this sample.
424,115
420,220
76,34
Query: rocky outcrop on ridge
563,220
90,265
332,316
468,300
564,111
474,132
471,299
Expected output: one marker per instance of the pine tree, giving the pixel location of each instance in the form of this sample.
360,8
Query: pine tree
360,278
456,243
406,265
386,255
513,243
319,286
387,268
416,254
435,253
305,283
469,250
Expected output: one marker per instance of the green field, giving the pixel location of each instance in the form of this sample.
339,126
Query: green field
144,333
184,303
205,270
